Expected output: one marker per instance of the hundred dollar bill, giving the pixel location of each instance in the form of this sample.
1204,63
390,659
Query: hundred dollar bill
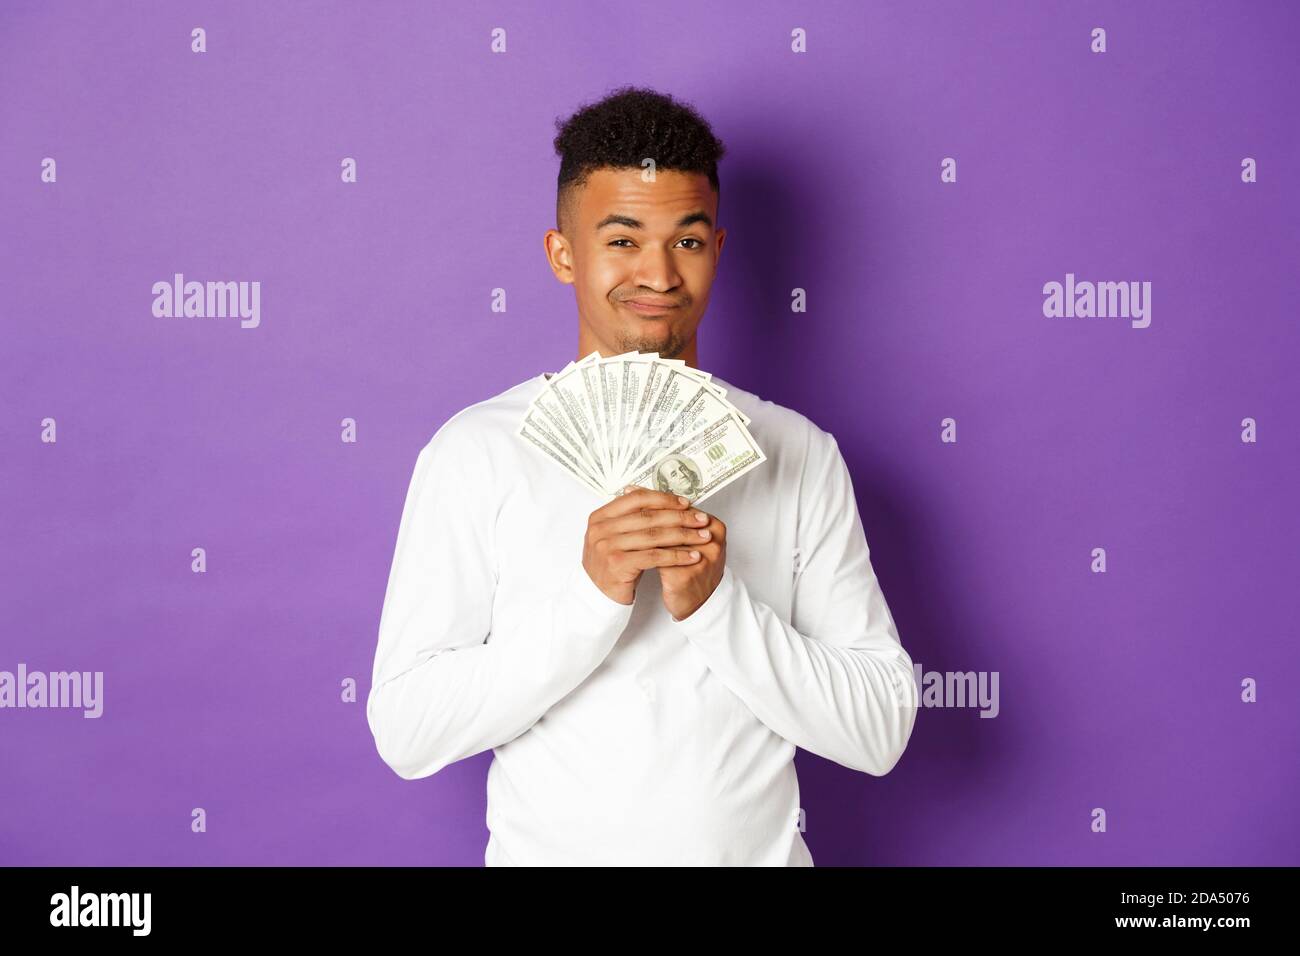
647,385
641,374
551,405
704,462
706,378
702,409
608,373
652,389
572,394
604,420
589,385
673,391
538,431
633,369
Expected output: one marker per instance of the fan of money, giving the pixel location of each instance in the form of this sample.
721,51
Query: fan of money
638,419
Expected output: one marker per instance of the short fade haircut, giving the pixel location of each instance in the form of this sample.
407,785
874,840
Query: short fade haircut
627,126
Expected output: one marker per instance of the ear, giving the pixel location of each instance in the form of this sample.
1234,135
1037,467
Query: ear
559,255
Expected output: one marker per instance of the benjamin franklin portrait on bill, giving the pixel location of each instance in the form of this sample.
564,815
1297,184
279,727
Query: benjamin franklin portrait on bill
679,475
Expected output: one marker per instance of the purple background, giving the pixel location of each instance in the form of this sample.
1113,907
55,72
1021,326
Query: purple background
222,690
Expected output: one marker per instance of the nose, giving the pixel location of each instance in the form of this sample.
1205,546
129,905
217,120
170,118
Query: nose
656,271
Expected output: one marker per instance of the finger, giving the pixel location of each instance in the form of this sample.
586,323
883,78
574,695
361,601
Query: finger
660,557
660,537
717,529
653,518
637,500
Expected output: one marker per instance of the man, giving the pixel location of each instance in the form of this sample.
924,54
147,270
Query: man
678,475
643,670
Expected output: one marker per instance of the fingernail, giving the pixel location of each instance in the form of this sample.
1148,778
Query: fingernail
695,554
685,501
699,516
703,532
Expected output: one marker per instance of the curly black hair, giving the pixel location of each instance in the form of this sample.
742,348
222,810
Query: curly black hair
627,126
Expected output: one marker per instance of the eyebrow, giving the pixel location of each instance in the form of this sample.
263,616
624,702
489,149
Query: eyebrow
616,219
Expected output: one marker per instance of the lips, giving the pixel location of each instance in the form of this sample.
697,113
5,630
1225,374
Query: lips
649,306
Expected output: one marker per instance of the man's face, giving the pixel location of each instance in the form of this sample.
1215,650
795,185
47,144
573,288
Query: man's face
631,242
675,477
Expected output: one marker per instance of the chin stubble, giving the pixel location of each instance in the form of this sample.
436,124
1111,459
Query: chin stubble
671,348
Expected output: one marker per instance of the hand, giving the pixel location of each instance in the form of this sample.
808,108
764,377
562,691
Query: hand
686,588
639,529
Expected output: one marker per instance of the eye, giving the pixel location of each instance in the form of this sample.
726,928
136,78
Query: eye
698,244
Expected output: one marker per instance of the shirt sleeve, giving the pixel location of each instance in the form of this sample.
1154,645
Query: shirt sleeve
835,679
446,685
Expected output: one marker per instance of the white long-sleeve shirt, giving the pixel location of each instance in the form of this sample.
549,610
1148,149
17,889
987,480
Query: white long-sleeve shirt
622,736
